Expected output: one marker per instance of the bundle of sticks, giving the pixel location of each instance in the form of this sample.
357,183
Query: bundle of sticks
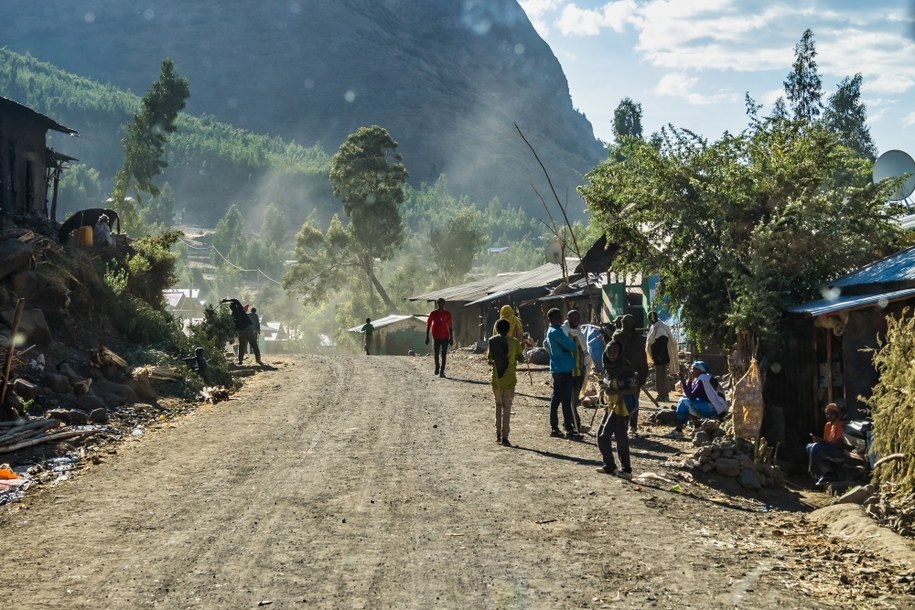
22,433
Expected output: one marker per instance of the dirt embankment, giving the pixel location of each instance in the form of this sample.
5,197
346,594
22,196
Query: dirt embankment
366,482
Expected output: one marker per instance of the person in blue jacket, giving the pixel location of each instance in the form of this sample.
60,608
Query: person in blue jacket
562,361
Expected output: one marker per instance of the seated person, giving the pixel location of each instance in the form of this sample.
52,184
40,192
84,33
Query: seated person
702,398
831,444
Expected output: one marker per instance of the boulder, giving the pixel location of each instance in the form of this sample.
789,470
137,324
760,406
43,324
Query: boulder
25,389
727,467
666,417
539,356
701,439
57,383
119,393
32,325
59,414
14,255
98,416
748,479
856,496
69,416
90,402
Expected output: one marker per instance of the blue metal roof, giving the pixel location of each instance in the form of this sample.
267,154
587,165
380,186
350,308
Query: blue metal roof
826,306
899,267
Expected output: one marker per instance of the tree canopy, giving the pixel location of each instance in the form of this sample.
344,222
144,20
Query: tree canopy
144,144
627,120
803,85
741,227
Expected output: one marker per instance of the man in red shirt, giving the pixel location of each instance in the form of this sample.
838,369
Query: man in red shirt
439,323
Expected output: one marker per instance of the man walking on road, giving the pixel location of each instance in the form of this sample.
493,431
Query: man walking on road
439,324
562,361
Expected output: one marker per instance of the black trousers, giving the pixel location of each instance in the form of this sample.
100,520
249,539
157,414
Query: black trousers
614,425
440,346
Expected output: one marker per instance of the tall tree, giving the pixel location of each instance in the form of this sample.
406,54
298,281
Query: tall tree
368,176
803,86
455,244
228,238
627,120
275,226
846,115
144,143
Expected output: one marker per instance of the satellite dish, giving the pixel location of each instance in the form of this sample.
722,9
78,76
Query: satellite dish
893,164
553,252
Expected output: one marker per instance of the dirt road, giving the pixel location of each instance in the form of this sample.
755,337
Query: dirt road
365,482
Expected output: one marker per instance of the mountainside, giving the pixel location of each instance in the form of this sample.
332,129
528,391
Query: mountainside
447,79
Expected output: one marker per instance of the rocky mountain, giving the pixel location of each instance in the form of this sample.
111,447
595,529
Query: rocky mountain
448,79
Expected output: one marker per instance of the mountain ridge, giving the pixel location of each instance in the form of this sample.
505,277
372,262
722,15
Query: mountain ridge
448,80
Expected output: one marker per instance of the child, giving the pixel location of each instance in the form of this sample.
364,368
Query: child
832,444
504,352
367,330
619,383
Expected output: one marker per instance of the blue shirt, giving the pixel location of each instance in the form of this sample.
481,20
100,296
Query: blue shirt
562,350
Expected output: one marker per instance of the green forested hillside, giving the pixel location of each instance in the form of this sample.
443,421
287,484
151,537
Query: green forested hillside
211,164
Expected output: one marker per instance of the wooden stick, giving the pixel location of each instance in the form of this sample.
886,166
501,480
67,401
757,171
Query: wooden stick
9,354
889,458
44,439
650,397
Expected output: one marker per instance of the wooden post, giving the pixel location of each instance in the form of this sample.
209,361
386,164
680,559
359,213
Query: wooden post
828,365
5,383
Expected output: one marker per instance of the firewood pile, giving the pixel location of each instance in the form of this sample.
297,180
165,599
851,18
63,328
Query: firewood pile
22,433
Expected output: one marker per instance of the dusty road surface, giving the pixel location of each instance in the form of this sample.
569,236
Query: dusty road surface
365,482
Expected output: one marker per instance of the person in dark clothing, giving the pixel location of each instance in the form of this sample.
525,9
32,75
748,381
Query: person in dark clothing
245,329
619,381
633,345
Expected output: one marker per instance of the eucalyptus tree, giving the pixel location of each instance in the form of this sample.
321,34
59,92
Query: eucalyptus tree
144,142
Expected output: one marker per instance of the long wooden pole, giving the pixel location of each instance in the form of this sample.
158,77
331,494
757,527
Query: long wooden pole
9,354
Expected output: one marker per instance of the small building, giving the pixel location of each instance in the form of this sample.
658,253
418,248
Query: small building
184,303
397,335
827,357
28,168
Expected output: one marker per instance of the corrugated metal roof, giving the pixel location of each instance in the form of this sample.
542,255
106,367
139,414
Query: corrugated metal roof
899,267
465,292
528,282
826,306
494,287
387,321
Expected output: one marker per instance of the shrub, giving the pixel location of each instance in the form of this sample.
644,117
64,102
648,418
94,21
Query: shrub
893,402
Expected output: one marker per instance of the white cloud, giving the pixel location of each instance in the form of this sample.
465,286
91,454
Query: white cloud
909,119
682,86
771,96
616,16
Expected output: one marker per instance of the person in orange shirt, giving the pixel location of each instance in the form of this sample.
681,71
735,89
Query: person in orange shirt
831,444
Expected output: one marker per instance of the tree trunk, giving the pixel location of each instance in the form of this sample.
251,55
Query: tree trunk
368,265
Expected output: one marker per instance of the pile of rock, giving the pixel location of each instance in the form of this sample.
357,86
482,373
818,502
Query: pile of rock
726,457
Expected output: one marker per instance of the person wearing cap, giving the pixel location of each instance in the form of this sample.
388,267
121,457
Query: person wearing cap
831,444
101,232
702,397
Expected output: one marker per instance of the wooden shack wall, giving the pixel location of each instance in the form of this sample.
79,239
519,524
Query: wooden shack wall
23,165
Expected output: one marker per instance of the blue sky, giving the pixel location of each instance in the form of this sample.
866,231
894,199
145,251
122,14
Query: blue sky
690,62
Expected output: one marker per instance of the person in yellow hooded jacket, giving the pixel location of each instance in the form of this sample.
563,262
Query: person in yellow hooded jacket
515,330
